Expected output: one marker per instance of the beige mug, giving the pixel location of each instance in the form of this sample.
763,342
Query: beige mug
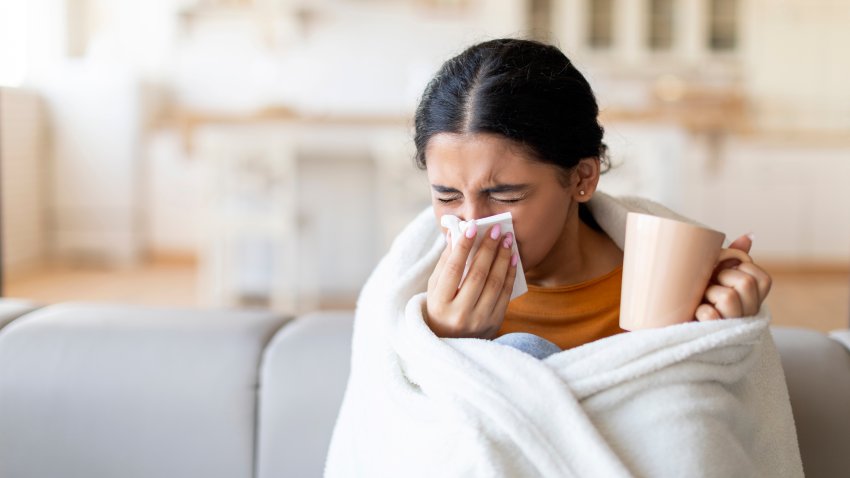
666,268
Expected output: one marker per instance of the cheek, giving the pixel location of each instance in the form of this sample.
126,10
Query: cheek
440,210
532,241
537,232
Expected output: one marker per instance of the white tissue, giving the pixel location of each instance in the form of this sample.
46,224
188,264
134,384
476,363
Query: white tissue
458,227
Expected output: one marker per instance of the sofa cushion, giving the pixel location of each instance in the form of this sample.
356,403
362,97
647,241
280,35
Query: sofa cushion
817,370
104,391
304,374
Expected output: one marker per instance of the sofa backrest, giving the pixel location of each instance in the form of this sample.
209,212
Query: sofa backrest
11,309
102,391
304,374
119,391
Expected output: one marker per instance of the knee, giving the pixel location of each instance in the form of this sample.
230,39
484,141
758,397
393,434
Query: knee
529,343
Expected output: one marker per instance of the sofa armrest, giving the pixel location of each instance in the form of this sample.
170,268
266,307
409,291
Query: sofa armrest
843,337
817,371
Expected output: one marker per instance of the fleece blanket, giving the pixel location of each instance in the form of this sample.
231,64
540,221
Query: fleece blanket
696,399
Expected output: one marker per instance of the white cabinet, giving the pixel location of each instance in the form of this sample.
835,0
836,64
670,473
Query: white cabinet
298,212
250,248
647,161
792,194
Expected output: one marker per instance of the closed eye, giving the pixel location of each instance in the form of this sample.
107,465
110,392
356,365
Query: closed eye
447,200
502,193
508,198
508,193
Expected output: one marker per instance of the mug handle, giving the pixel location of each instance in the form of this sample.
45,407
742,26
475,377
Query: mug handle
726,254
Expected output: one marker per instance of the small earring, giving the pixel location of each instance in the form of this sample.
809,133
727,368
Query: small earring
581,193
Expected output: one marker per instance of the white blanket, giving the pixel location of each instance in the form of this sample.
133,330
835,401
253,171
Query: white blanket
692,400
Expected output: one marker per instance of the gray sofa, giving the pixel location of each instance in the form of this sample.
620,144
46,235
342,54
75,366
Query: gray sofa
96,390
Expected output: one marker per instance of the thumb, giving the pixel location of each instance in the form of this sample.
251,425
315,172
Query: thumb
743,243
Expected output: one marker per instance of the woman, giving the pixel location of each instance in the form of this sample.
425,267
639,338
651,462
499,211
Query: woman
511,126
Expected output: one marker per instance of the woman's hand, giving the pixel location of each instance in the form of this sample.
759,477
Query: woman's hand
478,307
735,290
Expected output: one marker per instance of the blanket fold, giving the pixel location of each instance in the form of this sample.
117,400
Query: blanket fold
697,399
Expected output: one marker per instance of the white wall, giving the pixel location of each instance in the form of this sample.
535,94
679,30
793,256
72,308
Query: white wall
95,118
24,176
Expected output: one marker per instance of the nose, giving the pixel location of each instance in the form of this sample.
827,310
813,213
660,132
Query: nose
475,210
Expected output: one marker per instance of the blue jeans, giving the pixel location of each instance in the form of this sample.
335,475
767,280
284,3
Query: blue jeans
531,344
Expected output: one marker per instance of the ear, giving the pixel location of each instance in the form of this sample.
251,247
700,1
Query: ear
586,176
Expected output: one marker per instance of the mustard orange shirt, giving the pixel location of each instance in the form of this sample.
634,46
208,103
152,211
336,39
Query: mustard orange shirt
569,315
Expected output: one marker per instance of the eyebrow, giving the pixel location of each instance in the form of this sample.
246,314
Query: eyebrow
500,188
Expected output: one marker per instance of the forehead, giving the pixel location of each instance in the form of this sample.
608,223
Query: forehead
480,158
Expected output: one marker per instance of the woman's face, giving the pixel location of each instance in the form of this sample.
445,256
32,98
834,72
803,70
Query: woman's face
479,175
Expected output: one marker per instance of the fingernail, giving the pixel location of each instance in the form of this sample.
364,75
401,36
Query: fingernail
752,237
514,259
471,230
509,239
496,231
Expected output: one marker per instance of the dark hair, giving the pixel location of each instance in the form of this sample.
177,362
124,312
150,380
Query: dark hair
524,90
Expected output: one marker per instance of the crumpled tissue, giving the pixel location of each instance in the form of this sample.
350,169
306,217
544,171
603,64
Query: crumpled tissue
458,227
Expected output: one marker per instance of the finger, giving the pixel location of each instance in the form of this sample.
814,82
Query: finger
479,269
452,271
763,279
432,281
705,313
725,300
727,264
507,290
746,287
743,243
496,279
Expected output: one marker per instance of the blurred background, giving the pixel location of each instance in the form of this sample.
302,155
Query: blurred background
258,153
